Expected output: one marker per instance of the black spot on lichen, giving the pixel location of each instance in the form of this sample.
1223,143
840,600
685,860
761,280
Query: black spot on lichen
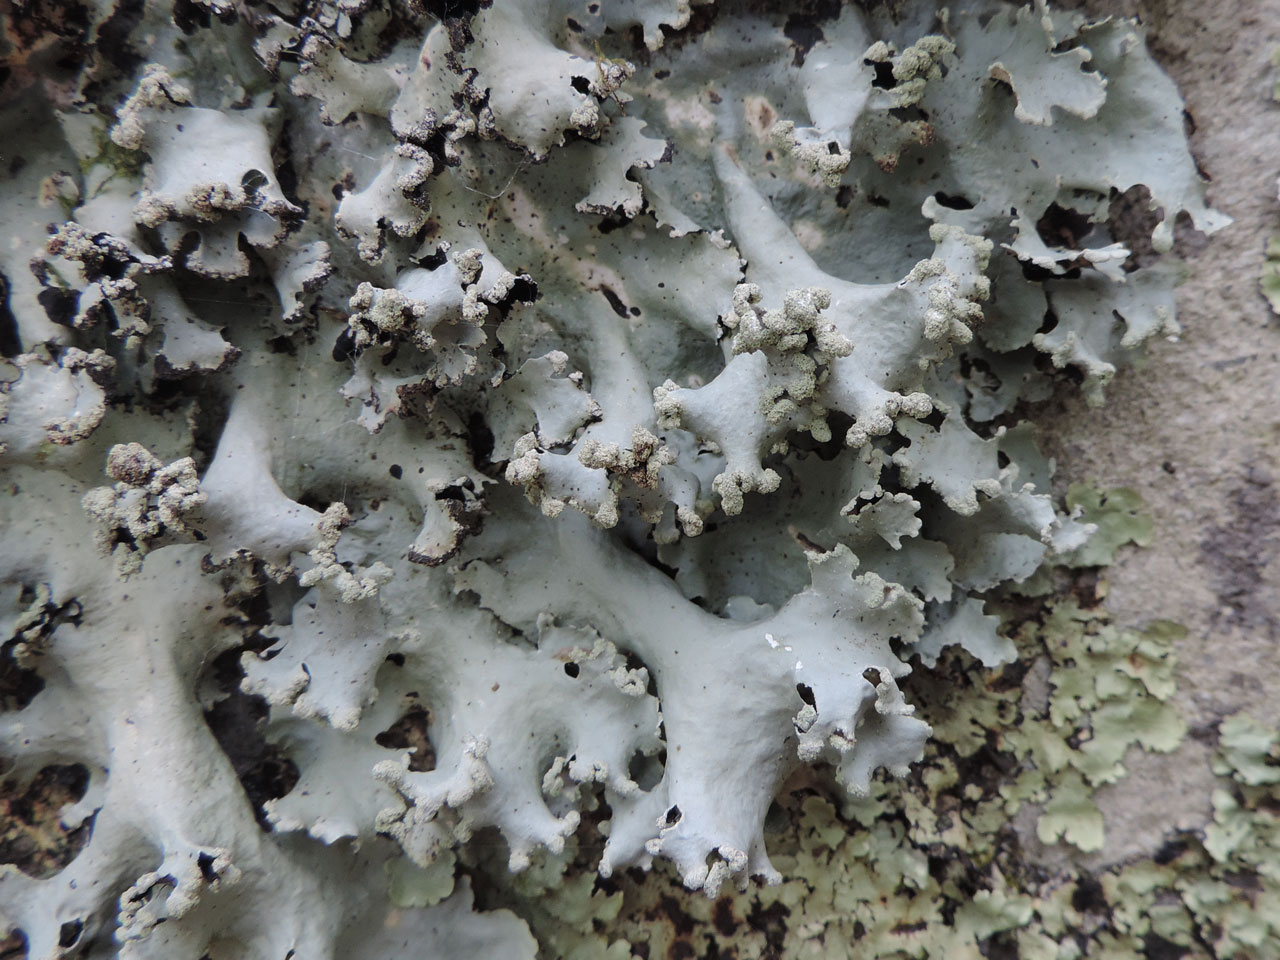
615,302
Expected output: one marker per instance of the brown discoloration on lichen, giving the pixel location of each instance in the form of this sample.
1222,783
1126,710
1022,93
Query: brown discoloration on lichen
32,835
13,947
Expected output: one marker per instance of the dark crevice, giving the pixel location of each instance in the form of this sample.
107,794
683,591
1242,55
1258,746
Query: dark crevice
804,26
411,732
59,305
113,36
952,202
238,723
884,74
69,933
205,863
344,348
612,222
1063,227
480,438
433,261
34,839
450,9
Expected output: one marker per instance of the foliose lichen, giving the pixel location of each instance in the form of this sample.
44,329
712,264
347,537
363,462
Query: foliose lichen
935,866
449,424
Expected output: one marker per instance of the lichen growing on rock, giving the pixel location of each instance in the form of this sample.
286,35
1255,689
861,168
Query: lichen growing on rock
516,414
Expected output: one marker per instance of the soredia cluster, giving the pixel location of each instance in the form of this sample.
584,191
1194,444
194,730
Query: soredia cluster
484,416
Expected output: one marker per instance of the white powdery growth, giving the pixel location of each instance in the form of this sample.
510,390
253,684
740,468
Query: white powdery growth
520,413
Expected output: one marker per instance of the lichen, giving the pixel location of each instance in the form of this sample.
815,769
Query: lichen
935,865
568,431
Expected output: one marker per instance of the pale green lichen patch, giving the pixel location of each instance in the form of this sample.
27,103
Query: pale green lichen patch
1118,516
933,867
